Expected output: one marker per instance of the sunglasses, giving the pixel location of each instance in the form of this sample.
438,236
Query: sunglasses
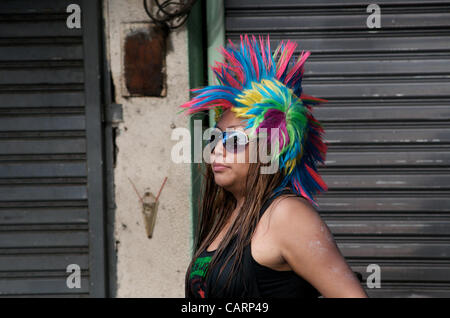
233,141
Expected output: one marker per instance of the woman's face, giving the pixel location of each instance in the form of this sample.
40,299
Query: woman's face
230,169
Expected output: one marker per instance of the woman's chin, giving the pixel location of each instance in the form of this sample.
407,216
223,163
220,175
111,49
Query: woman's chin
223,180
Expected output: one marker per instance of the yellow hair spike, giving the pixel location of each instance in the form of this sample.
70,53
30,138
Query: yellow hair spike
241,112
216,114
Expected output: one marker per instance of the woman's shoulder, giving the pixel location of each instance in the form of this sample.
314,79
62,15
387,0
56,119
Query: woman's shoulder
298,228
290,211
289,201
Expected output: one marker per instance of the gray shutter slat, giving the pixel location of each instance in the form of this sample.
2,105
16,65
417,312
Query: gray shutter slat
20,239
395,180
402,291
340,45
383,135
417,226
53,146
395,157
292,20
38,29
38,7
395,248
42,99
378,88
42,192
45,286
268,4
59,262
44,123
368,67
424,273
53,52
43,215
387,202
42,169
384,112
38,76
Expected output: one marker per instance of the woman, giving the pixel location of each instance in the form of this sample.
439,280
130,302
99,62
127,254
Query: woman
259,233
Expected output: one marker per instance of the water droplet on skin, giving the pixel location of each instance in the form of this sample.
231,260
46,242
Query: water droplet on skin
317,246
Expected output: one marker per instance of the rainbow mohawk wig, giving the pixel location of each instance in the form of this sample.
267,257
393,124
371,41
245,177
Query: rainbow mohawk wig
260,88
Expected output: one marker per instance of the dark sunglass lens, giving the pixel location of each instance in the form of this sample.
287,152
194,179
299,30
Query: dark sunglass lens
235,141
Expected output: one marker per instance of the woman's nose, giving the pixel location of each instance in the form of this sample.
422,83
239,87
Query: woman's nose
219,149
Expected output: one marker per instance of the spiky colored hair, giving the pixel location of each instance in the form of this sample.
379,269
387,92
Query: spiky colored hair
260,88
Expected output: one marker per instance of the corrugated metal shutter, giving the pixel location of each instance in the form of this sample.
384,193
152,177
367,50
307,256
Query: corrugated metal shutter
51,199
387,124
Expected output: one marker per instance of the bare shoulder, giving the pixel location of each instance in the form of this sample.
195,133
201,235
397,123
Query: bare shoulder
293,209
306,244
294,219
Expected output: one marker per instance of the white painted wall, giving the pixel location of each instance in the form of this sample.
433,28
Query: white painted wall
150,267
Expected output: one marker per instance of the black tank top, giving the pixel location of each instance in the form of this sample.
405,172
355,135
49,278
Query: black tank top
251,280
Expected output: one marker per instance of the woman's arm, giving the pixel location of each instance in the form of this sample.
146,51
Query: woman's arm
307,245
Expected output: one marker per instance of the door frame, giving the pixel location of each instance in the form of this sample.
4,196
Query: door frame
93,55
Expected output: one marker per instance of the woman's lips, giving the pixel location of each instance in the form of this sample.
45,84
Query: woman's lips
217,167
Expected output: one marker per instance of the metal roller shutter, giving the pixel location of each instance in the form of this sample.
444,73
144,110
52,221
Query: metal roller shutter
387,124
51,197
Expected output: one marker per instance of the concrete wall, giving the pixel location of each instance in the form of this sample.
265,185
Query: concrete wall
150,267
